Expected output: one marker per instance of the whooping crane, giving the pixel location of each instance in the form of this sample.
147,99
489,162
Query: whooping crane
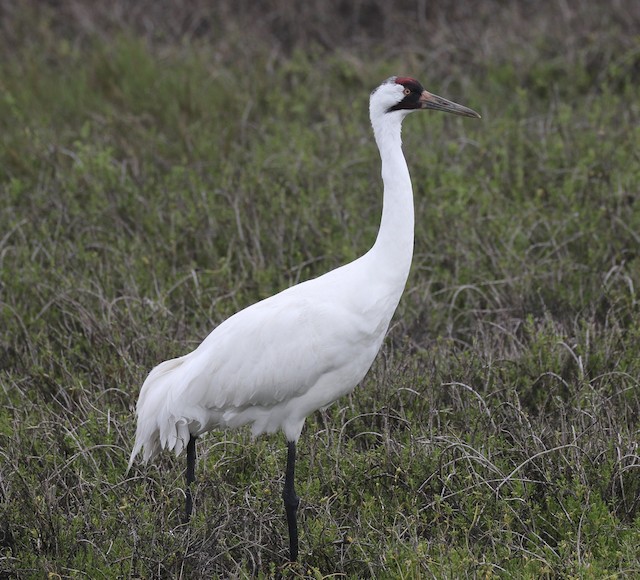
279,360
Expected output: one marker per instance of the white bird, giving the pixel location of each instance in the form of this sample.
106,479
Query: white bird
279,360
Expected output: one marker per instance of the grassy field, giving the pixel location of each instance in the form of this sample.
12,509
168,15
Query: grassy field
165,165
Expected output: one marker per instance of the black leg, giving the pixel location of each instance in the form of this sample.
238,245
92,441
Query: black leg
191,476
291,501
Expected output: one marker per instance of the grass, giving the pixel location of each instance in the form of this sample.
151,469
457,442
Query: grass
155,180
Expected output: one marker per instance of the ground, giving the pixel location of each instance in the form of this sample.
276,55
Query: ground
163,165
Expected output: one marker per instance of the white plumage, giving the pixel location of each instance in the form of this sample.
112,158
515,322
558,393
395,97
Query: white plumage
277,361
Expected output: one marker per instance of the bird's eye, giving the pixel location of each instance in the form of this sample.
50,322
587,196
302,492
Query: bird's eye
407,91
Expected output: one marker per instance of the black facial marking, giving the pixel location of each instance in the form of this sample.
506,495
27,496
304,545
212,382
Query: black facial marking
413,89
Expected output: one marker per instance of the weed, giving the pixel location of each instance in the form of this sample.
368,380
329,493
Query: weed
158,172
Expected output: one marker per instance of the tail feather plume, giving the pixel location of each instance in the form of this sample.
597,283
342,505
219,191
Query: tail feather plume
159,428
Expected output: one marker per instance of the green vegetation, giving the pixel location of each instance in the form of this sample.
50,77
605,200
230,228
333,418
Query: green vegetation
160,170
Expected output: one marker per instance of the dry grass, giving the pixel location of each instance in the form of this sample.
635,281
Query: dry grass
166,163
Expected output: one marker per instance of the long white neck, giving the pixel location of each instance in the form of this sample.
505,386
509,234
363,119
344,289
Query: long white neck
393,249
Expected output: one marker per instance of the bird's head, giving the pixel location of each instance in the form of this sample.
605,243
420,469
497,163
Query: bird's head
403,95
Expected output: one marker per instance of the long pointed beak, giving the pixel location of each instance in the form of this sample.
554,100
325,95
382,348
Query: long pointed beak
430,101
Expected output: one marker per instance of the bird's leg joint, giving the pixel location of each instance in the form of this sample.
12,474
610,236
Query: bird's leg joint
291,500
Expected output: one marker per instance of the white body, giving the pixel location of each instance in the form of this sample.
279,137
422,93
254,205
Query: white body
275,362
